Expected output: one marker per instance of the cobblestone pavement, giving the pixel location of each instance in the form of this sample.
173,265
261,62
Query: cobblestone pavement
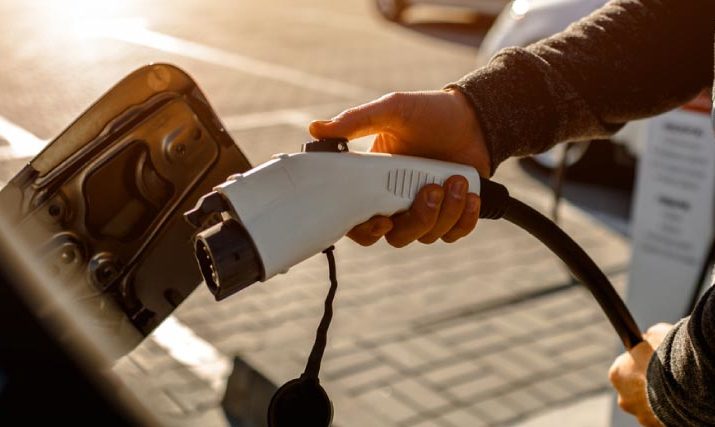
484,332
488,331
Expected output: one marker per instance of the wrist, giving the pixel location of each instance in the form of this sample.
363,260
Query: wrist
473,134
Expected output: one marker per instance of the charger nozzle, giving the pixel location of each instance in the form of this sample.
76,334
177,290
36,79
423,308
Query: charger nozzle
227,258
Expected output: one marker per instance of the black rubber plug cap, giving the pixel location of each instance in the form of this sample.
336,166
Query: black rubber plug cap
299,403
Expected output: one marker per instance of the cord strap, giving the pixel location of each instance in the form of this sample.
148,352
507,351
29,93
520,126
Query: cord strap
312,368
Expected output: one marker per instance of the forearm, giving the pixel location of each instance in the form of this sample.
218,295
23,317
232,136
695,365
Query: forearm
681,374
630,59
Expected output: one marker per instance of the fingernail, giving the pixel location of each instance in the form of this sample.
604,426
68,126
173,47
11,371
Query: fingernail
471,204
434,197
322,122
456,190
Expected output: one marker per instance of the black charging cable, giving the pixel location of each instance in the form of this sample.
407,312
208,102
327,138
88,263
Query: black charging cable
312,368
497,203
303,401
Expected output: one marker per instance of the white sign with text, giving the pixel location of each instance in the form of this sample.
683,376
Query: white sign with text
672,219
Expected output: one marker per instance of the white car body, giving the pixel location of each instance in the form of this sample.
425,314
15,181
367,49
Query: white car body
526,21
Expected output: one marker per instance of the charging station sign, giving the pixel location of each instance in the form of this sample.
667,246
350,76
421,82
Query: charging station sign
672,221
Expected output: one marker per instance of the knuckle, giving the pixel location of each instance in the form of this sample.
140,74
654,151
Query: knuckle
392,97
346,113
455,179
625,405
619,402
425,223
430,187
613,376
401,106
425,219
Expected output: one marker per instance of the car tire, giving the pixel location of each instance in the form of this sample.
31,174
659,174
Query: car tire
391,9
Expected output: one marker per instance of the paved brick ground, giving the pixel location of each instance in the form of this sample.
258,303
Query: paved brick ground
488,331
173,392
491,331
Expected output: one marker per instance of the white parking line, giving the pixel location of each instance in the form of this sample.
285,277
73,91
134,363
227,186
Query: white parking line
200,357
21,142
290,116
295,118
321,17
141,36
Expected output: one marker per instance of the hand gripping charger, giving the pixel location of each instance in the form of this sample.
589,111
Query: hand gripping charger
294,206
262,222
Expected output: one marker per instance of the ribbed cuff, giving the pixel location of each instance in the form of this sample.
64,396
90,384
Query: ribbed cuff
656,386
661,397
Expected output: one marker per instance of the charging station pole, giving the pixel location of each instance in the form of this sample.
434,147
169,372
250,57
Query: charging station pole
672,220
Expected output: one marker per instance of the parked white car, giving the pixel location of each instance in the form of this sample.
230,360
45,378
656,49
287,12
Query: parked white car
526,21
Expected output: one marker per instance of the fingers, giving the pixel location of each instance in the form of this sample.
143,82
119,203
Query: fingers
420,219
367,119
451,210
628,376
467,221
370,231
615,376
657,332
448,212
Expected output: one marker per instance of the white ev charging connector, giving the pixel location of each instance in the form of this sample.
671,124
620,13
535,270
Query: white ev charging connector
260,223
296,205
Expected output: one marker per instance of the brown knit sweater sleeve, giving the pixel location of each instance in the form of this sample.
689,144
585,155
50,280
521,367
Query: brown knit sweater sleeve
681,375
628,60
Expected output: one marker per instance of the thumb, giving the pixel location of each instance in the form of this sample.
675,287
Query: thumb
367,119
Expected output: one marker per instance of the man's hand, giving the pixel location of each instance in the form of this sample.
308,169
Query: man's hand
628,375
436,124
